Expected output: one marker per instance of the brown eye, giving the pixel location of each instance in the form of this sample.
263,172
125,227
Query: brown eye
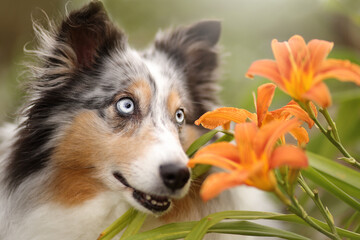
180,116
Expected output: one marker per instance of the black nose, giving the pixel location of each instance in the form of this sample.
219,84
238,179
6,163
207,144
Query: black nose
174,176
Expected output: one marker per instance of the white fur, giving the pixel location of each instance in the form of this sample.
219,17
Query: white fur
52,221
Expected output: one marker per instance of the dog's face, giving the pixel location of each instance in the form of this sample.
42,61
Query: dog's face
109,118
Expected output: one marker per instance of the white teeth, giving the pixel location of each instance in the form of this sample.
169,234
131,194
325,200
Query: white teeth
156,203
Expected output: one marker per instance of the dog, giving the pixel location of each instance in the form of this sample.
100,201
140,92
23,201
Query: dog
105,128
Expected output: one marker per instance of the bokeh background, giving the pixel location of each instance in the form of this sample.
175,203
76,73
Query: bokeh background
248,28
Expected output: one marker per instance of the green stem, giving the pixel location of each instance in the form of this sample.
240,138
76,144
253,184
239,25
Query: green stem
331,123
347,157
314,195
295,207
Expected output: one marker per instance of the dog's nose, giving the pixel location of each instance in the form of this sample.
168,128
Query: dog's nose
174,176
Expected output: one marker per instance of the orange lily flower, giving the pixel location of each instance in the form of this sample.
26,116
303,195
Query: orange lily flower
252,160
299,69
265,94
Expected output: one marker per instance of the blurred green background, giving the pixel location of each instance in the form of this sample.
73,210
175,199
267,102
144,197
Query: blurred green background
248,28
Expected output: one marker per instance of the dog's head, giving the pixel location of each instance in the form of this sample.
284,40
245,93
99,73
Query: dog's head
105,117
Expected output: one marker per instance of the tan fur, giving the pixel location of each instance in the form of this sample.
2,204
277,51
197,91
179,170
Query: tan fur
190,133
88,146
173,102
141,89
74,158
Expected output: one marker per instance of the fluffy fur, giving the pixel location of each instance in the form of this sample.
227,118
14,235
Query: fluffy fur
76,162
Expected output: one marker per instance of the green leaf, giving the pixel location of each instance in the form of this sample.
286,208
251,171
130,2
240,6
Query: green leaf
118,225
165,232
180,230
226,138
134,225
322,181
204,224
335,170
349,189
199,170
253,229
204,139
201,141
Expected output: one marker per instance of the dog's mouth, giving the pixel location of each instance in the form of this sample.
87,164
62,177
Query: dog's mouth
151,202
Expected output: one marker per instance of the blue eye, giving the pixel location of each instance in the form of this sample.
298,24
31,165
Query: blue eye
180,116
125,106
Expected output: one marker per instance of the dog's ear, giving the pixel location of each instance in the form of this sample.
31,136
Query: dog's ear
89,33
193,48
82,38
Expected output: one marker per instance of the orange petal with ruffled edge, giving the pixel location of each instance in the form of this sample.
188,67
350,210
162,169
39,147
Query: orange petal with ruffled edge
292,108
222,116
300,134
342,70
222,149
288,155
244,137
265,94
319,94
218,182
271,132
266,68
319,50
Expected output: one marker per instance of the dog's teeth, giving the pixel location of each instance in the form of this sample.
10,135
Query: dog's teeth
153,202
148,197
160,204
166,203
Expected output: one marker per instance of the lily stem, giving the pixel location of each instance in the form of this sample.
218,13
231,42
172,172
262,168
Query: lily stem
295,207
331,123
335,140
314,195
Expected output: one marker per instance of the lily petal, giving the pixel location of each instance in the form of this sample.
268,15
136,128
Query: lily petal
293,109
288,155
214,160
342,70
265,68
222,149
223,116
319,50
271,132
320,94
265,94
218,182
282,53
244,136
298,49
301,135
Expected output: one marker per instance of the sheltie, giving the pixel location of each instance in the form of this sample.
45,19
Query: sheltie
104,129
